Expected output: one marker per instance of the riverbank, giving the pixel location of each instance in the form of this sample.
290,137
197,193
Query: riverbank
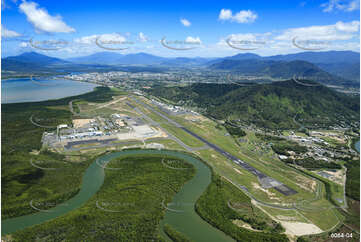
142,182
355,144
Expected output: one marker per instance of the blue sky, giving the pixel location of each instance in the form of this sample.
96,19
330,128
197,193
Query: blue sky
190,28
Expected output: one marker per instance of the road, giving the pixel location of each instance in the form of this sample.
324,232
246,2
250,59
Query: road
265,180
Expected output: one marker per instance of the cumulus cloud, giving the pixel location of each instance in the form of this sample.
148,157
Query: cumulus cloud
343,5
338,36
193,40
348,27
6,33
86,39
142,37
259,37
185,22
23,45
42,20
339,31
115,37
243,16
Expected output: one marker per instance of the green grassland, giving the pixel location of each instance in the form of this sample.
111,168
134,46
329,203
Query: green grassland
182,135
285,215
168,143
276,169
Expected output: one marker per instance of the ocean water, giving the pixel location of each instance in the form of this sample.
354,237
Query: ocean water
27,90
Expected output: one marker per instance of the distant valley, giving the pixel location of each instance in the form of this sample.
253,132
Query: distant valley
340,68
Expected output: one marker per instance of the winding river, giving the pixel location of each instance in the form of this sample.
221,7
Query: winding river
357,146
180,213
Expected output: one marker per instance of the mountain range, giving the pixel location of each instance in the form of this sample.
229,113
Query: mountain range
279,69
335,66
345,64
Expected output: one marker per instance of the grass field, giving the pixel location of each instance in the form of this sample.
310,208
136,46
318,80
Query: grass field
261,156
285,215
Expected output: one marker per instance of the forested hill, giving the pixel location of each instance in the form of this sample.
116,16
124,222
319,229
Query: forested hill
281,69
276,105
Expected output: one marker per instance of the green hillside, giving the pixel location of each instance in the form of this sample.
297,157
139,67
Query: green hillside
281,69
279,105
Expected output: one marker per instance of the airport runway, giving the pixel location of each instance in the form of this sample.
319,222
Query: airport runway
266,181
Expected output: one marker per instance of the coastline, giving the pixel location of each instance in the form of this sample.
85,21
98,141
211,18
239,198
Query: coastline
23,90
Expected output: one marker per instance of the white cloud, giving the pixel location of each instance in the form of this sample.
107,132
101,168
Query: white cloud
348,27
343,5
192,40
250,36
244,16
115,37
225,14
339,31
86,39
42,21
185,22
6,33
23,44
338,36
143,37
